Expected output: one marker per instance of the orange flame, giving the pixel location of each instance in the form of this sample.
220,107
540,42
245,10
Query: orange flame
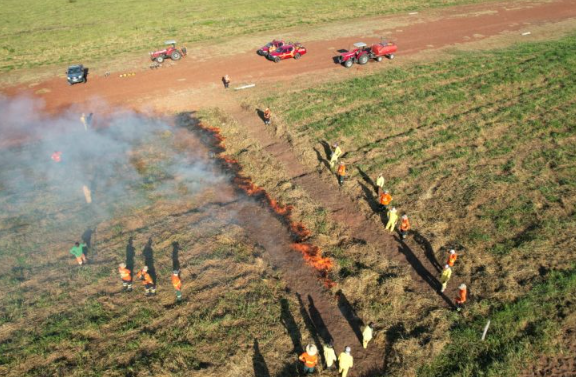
312,254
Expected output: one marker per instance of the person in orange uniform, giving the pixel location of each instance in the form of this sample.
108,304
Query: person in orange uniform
126,276
267,116
147,281
341,173
404,226
385,199
461,299
309,358
177,283
452,258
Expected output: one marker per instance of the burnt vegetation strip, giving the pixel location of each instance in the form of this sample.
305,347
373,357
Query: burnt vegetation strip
518,330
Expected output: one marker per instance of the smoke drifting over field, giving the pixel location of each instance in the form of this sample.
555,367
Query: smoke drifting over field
121,159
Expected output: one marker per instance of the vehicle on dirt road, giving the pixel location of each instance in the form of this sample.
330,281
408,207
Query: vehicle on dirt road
274,45
360,53
287,51
76,74
170,52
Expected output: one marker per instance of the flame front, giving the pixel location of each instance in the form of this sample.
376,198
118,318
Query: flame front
312,254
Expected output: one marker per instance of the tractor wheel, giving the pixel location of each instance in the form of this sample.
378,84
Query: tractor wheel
391,56
363,59
276,60
348,63
378,59
175,55
297,56
160,59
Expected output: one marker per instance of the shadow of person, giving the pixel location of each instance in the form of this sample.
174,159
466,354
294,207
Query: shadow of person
258,362
148,254
87,239
260,114
289,323
318,322
428,250
422,271
175,260
368,180
310,326
130,254
350,314
321,159
394,333
370,199
327,149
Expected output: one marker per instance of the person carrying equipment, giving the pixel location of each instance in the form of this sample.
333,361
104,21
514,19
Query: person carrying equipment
267,116
345,361
147,281
126,277
404,226
336,153
329,355
445,277
452,258
384,200
367,334
380,182
461,299
177,283
341,173
309,358
77,251
392,219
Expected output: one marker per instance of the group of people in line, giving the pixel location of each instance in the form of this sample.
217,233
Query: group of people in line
384,203
345,360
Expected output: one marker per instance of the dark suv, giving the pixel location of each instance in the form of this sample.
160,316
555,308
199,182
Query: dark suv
76,74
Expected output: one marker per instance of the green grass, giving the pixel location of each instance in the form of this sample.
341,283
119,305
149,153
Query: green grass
59,32
491,130
518,331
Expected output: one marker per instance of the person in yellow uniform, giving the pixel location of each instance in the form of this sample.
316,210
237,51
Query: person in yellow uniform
345,361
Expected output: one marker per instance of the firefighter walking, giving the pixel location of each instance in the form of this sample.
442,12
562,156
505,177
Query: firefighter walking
404,226
445,277
309,358
177,283
336,153
345,361
126,277
384,200
267,116
147,281
367,334
392,219
452,258
461,299
341,173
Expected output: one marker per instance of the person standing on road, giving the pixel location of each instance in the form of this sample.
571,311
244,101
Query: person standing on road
445,277
345,361
267,116
309,358
404,226
392,219
177,283
384,200
380,183
226,81
78,251
147,281
126,276
336,153
341,173
329,355
452,258
367,334
461,299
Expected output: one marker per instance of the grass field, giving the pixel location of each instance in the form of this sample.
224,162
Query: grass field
479,151
38,32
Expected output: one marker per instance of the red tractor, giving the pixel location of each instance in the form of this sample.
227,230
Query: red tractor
274,45
287,51
169,52
360,53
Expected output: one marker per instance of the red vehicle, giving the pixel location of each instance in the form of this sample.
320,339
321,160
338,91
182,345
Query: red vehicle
360,53
287,51
274,45
169,52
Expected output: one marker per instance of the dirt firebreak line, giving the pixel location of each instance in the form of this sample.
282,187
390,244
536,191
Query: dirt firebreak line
312,254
